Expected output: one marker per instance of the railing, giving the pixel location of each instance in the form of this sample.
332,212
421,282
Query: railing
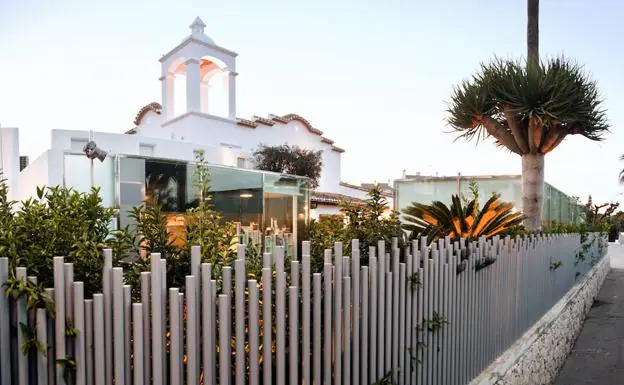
434,314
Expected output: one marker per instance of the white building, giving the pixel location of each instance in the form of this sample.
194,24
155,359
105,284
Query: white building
197,111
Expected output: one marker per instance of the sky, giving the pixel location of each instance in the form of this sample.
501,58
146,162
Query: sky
375,76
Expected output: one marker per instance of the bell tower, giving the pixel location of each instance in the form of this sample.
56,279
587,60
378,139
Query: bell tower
210,76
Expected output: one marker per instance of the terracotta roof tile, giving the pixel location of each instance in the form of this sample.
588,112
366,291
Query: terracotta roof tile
156,107
333,198
246,122
261,120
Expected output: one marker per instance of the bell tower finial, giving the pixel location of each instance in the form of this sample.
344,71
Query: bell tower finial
197,28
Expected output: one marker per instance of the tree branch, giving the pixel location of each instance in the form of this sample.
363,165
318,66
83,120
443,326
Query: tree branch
499,132
553,138
516,131
535,134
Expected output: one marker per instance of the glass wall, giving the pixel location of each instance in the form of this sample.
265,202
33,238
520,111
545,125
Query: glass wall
268,209
557,205
427,190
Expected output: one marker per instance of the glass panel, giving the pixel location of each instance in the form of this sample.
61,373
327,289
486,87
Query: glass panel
286,201
258,203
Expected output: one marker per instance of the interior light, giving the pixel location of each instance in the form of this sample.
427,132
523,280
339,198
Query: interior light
246,195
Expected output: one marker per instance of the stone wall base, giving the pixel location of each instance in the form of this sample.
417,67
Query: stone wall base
537,357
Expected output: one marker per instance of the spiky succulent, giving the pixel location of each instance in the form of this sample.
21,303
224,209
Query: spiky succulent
439,220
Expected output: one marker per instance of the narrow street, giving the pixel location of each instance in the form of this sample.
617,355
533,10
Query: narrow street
598,355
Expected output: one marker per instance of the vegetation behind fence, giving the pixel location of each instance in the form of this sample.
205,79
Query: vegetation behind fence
427,314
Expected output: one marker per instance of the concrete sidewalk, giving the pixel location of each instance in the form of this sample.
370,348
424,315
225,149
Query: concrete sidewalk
598,354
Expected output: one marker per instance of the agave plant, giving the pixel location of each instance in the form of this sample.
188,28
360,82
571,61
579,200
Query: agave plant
439,220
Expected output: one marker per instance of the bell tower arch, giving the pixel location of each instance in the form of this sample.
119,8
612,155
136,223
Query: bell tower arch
209,72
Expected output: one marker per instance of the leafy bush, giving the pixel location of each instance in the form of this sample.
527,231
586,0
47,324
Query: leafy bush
59,222
366,222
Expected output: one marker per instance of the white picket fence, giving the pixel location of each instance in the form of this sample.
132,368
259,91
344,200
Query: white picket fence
413,316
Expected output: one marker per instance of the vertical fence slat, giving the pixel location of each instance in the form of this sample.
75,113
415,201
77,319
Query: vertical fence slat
127,306
316,355
5,327
137,339
395,313
176,347
338,265
22,322
374,355
240,277
90,373
42,337
99,345
267,338
79,324
253,333
346,372
388,327
381,321
355,273
59,304
107,281
280,304
224,340
207,298
157,317
305,314
364,326
327,316
401,339
192,332
409,288
293,308
196,271
163,304
147,337
119,356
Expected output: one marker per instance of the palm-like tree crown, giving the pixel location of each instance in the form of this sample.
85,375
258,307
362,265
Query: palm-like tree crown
528,109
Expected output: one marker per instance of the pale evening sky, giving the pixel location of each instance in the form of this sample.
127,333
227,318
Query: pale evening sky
373,75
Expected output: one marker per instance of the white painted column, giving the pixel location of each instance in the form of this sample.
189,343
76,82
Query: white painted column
193,81
231,79
204,89
168,84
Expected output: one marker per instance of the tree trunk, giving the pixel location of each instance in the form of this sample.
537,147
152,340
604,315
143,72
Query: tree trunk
532,31
533,190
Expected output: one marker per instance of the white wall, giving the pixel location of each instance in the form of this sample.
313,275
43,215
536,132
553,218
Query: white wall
162,148
46,170
9,155
218,132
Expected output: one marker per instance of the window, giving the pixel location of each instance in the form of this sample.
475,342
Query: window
78,144
241,162
146,150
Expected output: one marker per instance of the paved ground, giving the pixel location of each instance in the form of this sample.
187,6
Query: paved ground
598,355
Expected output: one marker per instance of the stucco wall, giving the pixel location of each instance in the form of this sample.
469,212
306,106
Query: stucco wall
536,358
46,170
162,148
225,133
9,155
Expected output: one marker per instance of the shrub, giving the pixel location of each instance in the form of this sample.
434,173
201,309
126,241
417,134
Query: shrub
366,222
59,222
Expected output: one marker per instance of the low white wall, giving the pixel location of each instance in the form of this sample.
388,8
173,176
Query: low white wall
537,357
